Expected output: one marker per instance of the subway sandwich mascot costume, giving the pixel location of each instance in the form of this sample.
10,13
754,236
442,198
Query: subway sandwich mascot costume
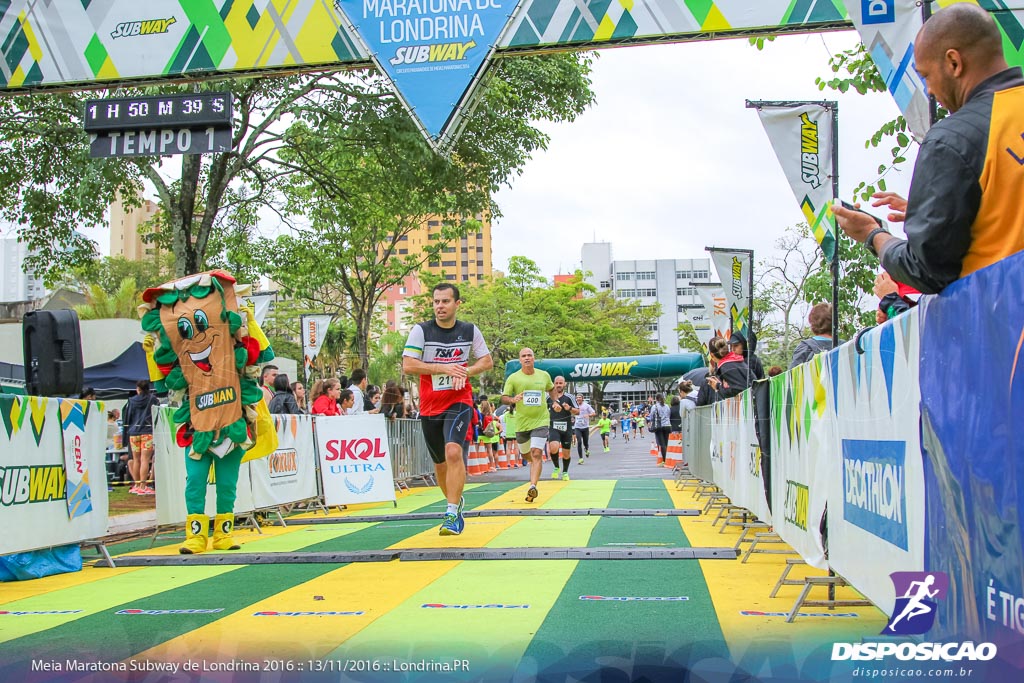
204,350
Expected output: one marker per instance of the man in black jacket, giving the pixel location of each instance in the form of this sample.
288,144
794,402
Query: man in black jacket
964,211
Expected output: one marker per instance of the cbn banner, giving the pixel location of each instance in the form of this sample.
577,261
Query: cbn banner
971,412
169,466
737,454
735,269
802,138
701,320
76,466
314,331
876,496
715,305
34,509
355,460
802,437
288,474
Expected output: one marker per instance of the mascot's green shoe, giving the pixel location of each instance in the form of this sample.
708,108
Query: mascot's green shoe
196,529
223,525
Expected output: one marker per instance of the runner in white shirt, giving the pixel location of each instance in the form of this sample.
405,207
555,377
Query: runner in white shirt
582,427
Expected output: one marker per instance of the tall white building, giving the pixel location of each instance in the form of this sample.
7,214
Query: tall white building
655,281
15,283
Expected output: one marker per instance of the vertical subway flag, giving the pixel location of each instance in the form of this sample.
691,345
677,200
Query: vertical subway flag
314,330
716,308
735,268
433,52
802,139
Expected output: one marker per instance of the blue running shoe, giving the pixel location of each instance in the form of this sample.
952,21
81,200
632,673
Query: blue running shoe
452,525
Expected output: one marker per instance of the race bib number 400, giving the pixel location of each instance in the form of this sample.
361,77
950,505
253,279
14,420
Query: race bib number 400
442,382
531,398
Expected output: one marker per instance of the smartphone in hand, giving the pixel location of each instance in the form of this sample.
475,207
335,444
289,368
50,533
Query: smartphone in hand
851,207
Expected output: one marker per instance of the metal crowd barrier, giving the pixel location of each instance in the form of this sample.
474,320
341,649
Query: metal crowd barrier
410,460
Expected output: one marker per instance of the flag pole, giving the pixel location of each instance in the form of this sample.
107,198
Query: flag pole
835,253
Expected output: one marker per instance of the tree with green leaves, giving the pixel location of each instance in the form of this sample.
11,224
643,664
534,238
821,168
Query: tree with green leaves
123,302
364,179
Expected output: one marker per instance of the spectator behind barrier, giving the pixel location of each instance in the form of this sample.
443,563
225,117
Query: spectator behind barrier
964,210
283,402
820,320
729,378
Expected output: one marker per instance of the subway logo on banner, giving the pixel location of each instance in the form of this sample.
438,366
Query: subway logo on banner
422,54
619,368
146,27
878,11
35,484
809,160
798,500
874,488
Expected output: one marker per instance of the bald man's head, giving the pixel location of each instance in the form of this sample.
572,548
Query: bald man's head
964,27
958,48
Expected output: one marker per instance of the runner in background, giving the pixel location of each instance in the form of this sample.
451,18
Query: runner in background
525,389
561,410
582,427
627,423
438,351
604,425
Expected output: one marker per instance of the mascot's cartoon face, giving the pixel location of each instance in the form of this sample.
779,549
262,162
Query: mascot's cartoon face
203,342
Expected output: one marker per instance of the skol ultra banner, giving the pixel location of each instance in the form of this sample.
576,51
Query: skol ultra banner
876,499
355,459
802,139
716,306
314,331
734,267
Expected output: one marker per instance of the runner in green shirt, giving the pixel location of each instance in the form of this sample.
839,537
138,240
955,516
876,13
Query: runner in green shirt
525,389
605,425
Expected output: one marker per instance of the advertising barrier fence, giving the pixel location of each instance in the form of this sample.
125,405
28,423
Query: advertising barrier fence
900,451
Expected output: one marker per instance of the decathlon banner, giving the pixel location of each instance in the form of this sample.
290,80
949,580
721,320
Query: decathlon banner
802,440
76,465
432,50
287,475
971,412
888,29
34,510
735,269
876,498
169,467
738,455
355,460
716,306
314,331
802,138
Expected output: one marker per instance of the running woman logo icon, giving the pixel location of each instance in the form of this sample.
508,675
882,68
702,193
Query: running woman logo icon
917,594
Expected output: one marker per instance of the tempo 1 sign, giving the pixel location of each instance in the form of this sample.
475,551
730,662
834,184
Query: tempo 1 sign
187,123
130,143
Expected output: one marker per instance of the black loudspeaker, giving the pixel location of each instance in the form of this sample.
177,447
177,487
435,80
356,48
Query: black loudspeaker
53,353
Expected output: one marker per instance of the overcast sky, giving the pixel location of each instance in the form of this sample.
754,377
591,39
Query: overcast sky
669,160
